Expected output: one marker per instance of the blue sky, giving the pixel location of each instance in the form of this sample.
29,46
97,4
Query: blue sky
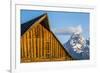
61,20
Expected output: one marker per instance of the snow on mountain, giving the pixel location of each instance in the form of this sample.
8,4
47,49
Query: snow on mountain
77,46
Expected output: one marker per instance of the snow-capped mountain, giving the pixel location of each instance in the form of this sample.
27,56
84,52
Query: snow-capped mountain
77,46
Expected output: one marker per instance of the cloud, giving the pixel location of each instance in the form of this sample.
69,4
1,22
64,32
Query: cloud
68,30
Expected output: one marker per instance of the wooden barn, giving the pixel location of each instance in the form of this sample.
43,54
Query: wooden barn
39,44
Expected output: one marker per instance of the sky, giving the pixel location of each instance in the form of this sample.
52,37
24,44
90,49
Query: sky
61,22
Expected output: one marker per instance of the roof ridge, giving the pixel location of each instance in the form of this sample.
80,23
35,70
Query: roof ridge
25,26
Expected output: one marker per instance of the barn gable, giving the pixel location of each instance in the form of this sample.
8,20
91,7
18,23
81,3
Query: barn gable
46,46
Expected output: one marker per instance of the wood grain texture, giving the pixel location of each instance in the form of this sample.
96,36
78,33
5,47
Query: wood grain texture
39,44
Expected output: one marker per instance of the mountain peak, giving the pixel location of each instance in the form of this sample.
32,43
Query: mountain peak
77,46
